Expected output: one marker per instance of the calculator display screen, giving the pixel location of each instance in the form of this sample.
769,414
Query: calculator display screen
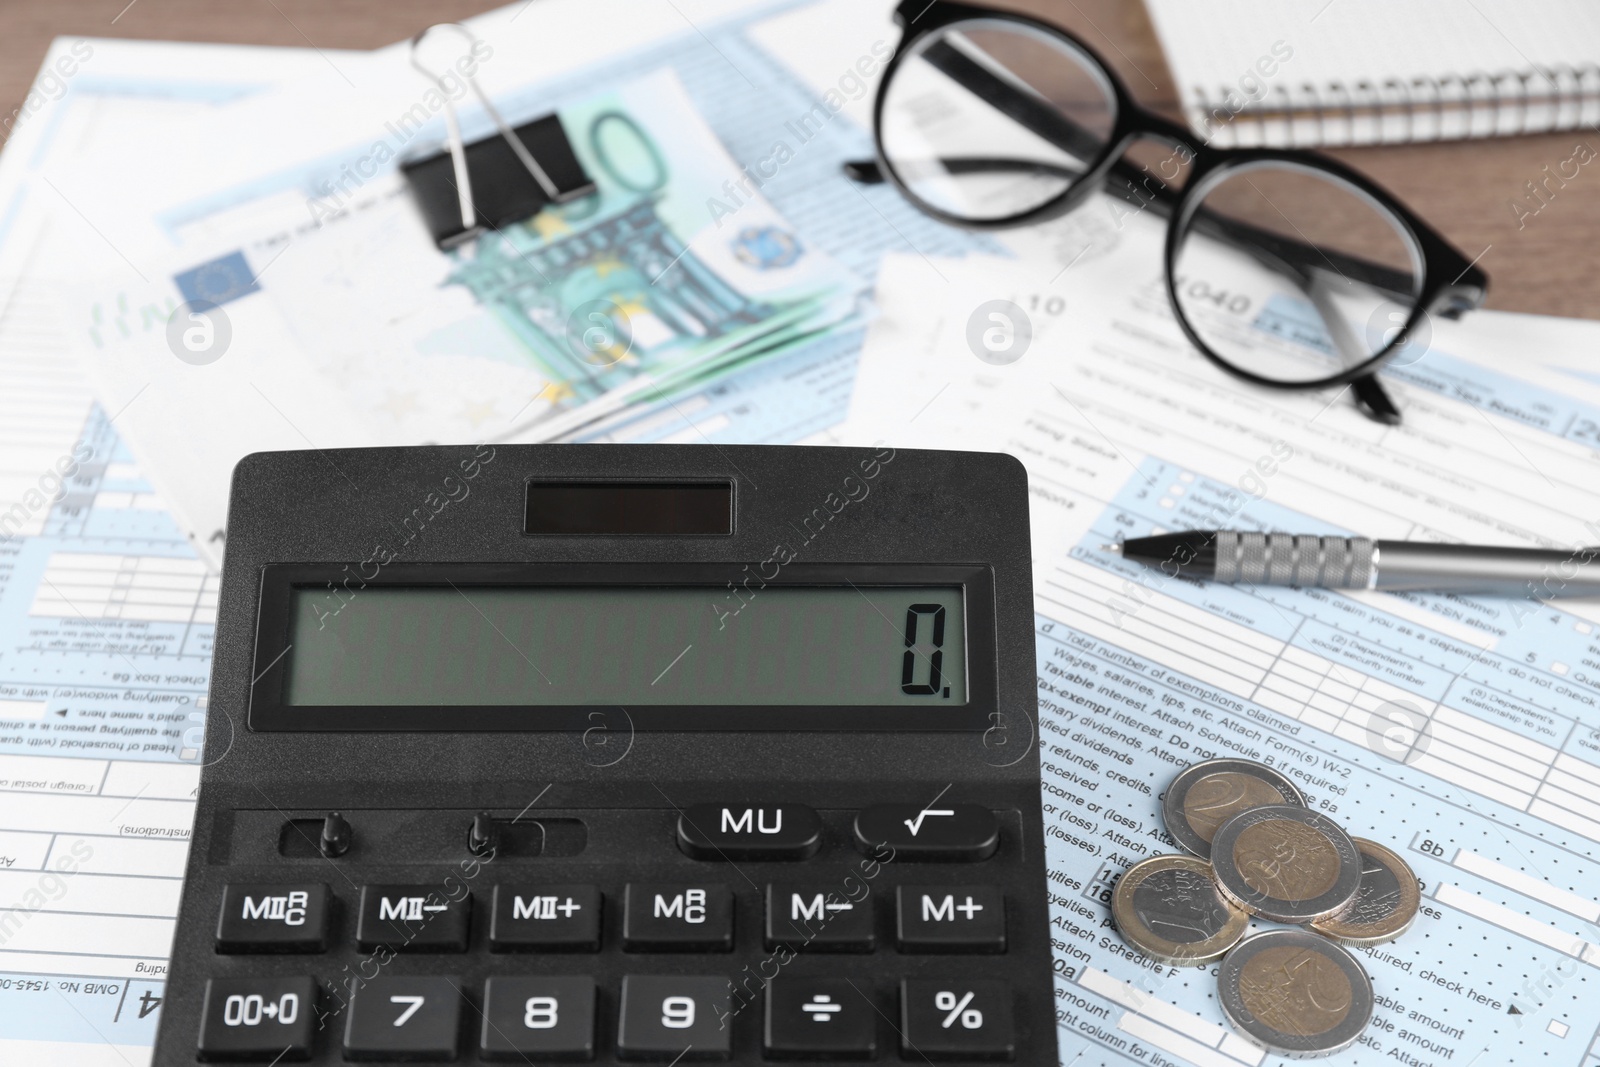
901,646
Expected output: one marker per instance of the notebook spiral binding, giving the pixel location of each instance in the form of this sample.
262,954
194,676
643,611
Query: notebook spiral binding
1457,106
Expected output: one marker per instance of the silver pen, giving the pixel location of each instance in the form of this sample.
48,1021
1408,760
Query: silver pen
1361,563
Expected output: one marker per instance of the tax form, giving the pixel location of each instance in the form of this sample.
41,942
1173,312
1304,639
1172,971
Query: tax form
1463,732
106,615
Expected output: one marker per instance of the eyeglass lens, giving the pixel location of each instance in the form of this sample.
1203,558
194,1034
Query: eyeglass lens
1290,273
986,119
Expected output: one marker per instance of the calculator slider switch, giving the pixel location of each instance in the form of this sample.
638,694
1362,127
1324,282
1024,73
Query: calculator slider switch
483,837
941,832
336,835
749,832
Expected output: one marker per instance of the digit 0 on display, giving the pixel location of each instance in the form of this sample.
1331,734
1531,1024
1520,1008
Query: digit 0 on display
911,662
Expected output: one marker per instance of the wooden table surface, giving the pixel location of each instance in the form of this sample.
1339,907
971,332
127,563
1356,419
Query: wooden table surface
1547,263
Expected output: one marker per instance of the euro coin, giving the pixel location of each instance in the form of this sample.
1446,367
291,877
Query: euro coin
1294,994
1287,864
1206,795
1386,902
1169,908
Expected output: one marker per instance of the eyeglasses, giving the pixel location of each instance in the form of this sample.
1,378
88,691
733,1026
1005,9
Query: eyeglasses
1285,268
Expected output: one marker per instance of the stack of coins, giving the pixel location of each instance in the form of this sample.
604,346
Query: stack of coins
1263,854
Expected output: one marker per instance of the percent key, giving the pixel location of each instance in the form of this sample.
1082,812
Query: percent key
956,1019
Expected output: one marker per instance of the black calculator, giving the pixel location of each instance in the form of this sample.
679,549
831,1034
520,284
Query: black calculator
614,753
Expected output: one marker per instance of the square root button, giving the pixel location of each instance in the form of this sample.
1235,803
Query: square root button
942,832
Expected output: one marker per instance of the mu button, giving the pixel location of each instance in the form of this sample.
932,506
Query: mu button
942,832
749,832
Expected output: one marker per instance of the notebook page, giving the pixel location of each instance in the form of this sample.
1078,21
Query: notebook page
1362,70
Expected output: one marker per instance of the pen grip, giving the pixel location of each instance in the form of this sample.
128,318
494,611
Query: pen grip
1294,559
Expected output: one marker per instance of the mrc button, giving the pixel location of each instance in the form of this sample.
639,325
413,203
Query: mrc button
274,918
939,833
677,918
749,832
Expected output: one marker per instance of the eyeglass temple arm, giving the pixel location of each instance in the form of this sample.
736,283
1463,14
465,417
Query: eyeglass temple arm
1143,189
1369,394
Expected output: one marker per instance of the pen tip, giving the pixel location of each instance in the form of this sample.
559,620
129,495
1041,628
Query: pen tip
1112,548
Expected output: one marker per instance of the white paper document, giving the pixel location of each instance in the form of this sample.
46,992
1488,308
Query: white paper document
105,612
1464,733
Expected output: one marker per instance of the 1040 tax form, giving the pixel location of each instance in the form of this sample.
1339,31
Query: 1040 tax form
1465,731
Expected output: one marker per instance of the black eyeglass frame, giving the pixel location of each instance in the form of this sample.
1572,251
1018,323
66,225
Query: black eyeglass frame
1449,285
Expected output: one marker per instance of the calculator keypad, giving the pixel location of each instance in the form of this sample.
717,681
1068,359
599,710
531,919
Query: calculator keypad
668,985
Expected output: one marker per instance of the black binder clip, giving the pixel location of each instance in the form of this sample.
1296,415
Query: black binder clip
497,181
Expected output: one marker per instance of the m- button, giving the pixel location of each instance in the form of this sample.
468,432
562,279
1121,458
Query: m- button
960,918
819,918
749,832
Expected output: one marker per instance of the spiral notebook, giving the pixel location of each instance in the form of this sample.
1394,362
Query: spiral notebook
1295,73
